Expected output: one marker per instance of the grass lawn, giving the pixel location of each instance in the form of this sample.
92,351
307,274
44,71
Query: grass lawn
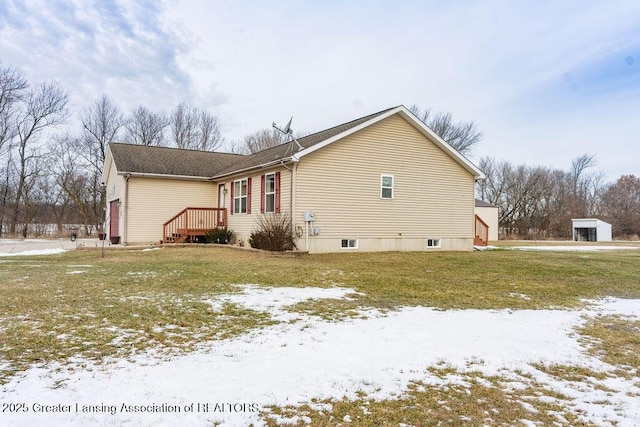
79,305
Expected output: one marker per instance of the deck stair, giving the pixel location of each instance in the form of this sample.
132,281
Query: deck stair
191,225
481,237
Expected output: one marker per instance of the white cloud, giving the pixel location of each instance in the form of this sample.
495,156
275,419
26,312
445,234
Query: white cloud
528,73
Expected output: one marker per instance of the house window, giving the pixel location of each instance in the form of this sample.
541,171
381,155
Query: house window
386,186
270,193
433,243
240,196
349,244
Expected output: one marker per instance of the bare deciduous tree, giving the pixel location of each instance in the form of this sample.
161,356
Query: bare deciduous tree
621,203
12,87
263,139
101,123
462,136
71,175
539,202
43,107
145,127
195,130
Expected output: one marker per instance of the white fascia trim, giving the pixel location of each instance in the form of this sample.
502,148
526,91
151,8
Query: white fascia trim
258,167
104,176
159,176
348,132
417,123
463,161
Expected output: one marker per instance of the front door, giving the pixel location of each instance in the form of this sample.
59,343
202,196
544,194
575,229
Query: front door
114,219
221,212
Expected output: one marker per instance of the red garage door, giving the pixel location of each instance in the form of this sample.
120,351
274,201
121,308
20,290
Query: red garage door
114,219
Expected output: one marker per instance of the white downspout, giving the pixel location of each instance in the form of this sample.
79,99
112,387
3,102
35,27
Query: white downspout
291,205
126,209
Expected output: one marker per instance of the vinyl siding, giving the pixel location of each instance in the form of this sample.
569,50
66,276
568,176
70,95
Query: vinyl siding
152,202
433,196
115,191
244,224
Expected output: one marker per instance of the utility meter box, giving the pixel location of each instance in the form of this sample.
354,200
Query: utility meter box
309,216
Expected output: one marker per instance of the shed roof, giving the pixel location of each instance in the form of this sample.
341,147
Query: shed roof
588,222
483,204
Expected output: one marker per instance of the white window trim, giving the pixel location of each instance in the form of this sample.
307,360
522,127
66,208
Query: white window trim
349,247
437,239
266,177
240,197
393,183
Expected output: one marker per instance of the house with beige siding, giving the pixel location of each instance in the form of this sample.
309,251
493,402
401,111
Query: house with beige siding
383,182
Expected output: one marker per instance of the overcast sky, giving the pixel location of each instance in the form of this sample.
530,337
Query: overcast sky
544,81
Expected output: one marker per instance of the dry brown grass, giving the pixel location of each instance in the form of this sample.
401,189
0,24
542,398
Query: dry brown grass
77,304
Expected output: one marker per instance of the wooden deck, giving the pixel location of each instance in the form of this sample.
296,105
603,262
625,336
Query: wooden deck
481,237
192,224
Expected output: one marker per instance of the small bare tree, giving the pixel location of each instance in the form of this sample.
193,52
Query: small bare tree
72,176
263,139
462,136
194,129
145,127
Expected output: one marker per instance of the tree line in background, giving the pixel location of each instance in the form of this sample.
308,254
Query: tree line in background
539,202
50,175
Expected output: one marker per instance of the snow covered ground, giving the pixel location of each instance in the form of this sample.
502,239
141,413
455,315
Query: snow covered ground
578,248
304,357
32,247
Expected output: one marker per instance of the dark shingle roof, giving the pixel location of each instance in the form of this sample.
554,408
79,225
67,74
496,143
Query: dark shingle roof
285,150
173,161
169,161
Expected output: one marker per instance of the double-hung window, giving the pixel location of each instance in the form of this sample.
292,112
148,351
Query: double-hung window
240,196
270,193
386,186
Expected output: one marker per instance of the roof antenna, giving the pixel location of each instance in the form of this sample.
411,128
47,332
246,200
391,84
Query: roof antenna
288,131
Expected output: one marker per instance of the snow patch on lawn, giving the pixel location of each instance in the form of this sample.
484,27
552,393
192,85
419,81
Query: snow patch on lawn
294,362
273,300
34,252
572,248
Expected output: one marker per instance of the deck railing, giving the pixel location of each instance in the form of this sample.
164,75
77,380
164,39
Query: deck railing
481,237
192,224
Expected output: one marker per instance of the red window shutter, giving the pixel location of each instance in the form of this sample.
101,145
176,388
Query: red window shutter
233,202
277,192
262,190
248,195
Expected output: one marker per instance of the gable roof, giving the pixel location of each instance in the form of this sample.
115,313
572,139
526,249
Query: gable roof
140,159
150,161
286,151
290,152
